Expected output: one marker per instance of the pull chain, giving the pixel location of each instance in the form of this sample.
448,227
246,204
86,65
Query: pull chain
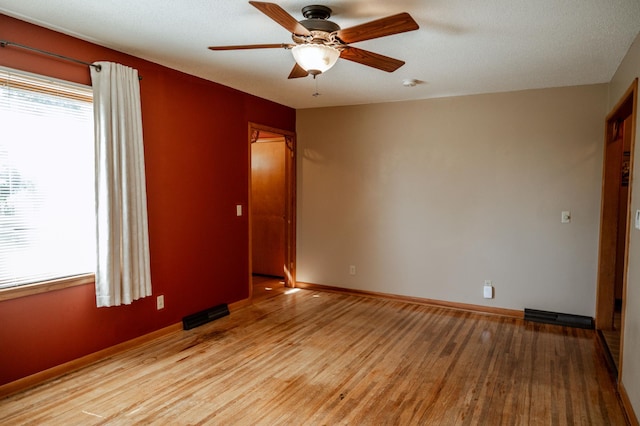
316,94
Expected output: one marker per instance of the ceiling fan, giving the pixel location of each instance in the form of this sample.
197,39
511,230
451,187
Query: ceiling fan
318,42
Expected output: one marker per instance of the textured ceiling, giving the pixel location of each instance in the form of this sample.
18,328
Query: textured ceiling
462,46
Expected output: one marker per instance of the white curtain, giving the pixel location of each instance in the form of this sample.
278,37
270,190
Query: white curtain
122,270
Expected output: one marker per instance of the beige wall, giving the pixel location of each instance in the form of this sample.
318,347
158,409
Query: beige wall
627,72
430,198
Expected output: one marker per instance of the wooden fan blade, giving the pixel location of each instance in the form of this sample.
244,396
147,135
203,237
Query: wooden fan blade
371,59
253,46
400,23
298,72
281,16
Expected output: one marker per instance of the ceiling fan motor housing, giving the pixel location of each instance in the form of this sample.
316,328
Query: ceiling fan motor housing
316,11
317,19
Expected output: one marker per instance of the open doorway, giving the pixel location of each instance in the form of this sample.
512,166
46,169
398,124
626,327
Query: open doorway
271,207
614,224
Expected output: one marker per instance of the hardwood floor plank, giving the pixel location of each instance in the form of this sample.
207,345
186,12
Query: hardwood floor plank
312,357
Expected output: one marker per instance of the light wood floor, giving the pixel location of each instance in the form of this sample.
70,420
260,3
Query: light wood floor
266,287
317,358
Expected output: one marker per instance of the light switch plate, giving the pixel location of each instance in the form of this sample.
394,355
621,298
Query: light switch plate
239,210
637,219
565,217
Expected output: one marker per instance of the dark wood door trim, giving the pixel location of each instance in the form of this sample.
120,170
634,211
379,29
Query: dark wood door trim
609,214
290,195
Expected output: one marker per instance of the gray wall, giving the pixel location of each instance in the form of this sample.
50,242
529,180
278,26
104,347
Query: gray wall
430,198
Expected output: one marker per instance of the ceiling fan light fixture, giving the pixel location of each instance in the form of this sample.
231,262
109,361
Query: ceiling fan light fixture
315,58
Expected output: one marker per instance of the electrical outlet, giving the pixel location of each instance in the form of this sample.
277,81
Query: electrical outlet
352,269
160,302
487,291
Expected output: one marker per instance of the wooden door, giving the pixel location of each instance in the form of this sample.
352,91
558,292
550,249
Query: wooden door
268,206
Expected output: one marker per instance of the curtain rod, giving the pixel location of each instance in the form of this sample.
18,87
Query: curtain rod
5,43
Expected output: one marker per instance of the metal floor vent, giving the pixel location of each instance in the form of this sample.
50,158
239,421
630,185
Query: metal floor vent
203,317
568,320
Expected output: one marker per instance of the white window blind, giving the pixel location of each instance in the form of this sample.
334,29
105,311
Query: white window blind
46,179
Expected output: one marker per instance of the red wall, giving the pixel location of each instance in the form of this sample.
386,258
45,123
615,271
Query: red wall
196,154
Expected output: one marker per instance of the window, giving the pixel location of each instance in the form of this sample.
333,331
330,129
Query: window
46,179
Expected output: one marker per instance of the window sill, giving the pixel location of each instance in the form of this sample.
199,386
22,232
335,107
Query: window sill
45,286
